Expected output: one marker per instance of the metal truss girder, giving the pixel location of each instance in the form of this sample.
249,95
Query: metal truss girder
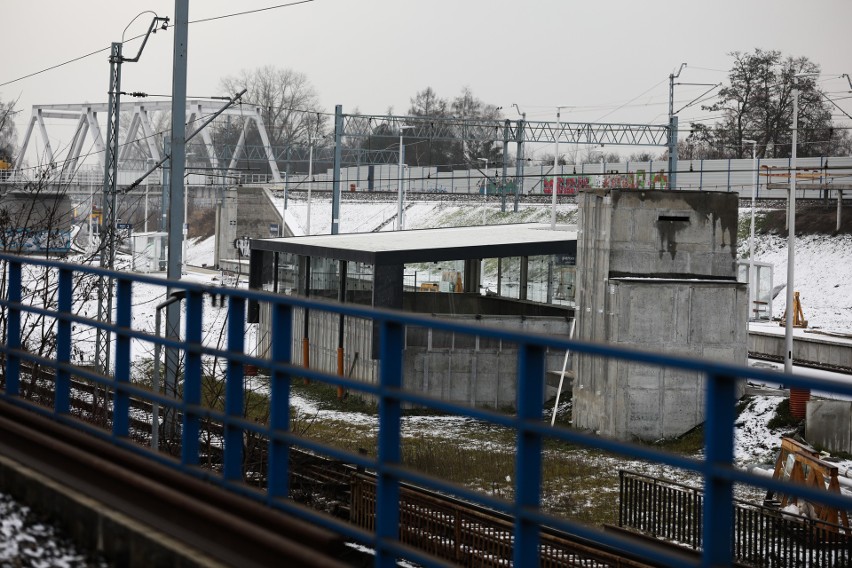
615,134
261,130
148,132
364,126
77,141
20,158
45,140
95,129
609,134
129,138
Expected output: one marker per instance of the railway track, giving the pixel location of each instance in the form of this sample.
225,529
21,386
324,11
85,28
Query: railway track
446,527
451,529
97,484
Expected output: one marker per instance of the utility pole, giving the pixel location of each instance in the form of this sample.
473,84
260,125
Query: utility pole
176,187
519,165
310,182
107,255
110,197
335,181
673,131
556,134
673,121
505,165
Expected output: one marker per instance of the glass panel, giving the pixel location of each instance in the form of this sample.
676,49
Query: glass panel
551,279
288,273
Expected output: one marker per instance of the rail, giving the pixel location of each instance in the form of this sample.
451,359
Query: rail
267,480
762,536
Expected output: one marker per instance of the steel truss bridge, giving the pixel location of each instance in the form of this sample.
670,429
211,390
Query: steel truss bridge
350,130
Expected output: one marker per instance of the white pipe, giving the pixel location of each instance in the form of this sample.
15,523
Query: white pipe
564,367
791,243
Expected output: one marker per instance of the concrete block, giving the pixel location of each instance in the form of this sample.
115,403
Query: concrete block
623,229
828,424
642,377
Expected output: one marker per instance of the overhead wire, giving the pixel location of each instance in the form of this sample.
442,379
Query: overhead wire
199,21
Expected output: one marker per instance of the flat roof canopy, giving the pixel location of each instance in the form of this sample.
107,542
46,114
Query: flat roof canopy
431,245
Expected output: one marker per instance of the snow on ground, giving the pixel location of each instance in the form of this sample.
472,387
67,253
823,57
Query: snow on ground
25,541
200,252
823,277
754,442
823,273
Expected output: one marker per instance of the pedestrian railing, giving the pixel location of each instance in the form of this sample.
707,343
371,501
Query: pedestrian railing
48,311
762,536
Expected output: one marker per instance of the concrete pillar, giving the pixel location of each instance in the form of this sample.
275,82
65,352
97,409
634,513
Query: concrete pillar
472,275
387,286
524,277
387,293
227,227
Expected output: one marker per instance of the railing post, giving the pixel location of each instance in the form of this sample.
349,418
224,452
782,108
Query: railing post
13,329
528,459
121,401
233,457
389,440
192,377
279,418
717,530
729,174
62,398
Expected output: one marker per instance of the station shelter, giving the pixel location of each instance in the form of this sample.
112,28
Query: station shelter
517,276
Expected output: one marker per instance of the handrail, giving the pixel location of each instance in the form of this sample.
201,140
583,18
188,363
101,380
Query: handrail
716,468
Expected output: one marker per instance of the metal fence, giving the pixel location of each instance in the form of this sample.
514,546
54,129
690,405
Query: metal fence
728,175
471,536
762,536
268,481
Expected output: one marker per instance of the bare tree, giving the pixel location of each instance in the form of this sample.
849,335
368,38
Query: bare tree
8,133
37,219
645,156
757,104
467,106
289,104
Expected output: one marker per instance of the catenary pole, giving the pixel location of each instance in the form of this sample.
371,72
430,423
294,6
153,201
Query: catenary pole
555,166
791,241
176,192
752,276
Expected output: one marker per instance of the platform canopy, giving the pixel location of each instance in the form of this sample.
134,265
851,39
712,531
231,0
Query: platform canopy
431,245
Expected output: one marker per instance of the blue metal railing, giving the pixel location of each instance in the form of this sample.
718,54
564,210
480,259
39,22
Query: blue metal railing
716,469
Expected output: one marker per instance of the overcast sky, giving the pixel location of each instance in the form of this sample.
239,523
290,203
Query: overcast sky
608,59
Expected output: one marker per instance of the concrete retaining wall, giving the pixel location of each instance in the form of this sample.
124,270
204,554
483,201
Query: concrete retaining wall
815,350
455,367
245,212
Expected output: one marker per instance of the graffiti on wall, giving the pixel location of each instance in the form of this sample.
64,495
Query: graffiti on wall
630,180
567,185
28,241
